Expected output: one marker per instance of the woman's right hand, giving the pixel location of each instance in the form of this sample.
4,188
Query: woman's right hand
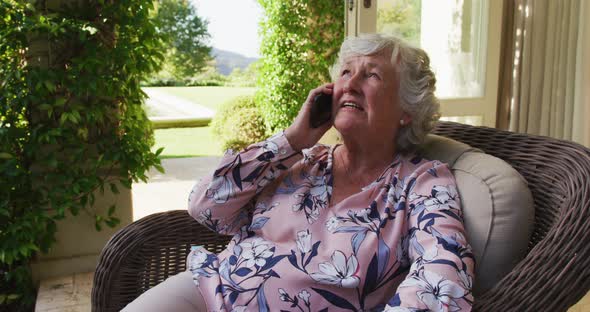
300,134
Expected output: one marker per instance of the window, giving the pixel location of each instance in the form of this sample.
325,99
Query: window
462,38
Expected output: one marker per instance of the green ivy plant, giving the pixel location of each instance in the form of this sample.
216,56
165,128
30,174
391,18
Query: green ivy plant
71,121
300,41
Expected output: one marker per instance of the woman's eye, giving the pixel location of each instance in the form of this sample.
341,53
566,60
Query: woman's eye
374,75
345,72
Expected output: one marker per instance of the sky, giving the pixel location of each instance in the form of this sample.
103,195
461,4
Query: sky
233,24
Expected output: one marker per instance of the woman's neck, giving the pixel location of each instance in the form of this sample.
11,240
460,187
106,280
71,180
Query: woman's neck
366,156
361,164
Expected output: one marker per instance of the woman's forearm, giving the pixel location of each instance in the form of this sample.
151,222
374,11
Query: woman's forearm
220,200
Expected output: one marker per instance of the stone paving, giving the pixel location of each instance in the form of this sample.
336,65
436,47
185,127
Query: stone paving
169,191
65,294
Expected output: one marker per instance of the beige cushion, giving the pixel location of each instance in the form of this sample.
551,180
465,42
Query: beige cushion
497,207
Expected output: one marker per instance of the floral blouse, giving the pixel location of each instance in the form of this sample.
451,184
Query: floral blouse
397,245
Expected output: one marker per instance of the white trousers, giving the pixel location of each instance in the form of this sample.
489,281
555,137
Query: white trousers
176,293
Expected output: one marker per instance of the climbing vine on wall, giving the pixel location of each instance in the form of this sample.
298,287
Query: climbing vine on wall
71,120
300,41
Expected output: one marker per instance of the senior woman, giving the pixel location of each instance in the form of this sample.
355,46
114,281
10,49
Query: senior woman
364,225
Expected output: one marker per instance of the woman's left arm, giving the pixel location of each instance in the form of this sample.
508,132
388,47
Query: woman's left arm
442,270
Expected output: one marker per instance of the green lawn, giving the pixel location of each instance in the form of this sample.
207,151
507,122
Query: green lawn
187,142
192,142
210,97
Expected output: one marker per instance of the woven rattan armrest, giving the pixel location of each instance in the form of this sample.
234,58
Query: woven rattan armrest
555,274
145,253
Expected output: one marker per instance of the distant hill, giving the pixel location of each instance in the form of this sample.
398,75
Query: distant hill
226,61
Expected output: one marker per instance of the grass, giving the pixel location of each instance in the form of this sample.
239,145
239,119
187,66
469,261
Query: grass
187,142
210,97
194,142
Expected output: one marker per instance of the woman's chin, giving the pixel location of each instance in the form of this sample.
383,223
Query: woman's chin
347,126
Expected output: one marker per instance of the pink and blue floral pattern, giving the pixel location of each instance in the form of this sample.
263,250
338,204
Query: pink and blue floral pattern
398,245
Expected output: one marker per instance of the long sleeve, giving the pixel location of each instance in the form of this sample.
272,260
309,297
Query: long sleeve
221,200
442,270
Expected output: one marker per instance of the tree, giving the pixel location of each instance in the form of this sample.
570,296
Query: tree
245,77
186,35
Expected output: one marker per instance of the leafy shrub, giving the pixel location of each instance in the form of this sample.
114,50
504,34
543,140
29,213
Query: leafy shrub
209,77
244,77
190,82
300,41
204,82
163,82
234,144
238,123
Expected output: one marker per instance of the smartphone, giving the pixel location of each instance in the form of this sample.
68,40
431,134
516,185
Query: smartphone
321,110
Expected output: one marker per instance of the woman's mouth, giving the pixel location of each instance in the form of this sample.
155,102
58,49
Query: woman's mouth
352,105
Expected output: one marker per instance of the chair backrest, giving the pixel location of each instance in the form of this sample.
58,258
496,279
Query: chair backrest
498,208
554,275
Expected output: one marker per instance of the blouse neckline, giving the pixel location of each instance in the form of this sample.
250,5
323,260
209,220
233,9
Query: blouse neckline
330,172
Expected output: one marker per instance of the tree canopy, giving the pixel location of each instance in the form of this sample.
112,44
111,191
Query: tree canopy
186,36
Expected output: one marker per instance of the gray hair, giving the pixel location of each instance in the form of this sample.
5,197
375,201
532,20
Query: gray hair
416,79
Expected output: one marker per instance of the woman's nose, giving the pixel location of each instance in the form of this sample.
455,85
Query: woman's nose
351,84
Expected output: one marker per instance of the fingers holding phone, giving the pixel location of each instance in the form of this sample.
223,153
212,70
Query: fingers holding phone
321,110
314,118
319,105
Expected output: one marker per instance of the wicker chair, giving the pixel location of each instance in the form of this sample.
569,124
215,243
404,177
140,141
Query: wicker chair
553,276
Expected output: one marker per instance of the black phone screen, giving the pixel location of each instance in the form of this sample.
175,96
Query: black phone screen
321,110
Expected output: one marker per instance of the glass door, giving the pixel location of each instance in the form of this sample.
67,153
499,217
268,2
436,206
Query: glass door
462,38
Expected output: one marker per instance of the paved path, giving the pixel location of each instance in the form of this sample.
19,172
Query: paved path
166,105
169,191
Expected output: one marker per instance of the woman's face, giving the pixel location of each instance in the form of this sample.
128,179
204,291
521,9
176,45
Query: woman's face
366,101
